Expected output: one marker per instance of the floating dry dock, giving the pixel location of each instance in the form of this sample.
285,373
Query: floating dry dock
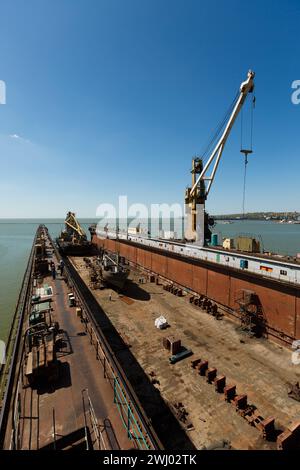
200,383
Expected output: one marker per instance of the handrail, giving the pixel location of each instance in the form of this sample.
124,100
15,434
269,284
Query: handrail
94,421
12,363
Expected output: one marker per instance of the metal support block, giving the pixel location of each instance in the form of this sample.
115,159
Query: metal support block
285,441
268,428
220,383
202,367
241,402
211,374
230,392
290,438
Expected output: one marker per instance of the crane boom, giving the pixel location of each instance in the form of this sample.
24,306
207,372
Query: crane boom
245,88
198,221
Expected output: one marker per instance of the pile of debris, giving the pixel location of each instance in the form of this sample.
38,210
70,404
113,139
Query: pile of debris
294,391
182,415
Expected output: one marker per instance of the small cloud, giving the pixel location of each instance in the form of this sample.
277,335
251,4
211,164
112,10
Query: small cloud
19,138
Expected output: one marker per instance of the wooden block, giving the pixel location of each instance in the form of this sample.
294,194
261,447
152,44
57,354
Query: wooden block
29,364
41,355
50,352
34,359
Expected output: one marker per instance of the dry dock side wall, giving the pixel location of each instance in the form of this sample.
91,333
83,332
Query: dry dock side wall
280,302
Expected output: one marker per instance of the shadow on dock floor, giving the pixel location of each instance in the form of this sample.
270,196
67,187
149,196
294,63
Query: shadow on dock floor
75,441
133,291
64,381
168,429
110,435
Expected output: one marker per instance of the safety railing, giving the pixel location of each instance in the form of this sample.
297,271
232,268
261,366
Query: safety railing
98,440
11,370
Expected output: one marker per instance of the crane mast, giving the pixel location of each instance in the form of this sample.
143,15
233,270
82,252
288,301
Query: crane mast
197,229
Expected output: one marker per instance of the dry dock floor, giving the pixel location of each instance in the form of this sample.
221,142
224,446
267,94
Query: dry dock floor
259,368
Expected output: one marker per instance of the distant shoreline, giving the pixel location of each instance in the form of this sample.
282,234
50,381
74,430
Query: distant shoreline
264,216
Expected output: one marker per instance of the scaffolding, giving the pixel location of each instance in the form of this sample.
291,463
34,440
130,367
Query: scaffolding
250,312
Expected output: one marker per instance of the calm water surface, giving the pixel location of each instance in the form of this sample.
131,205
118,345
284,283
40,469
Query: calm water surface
16,238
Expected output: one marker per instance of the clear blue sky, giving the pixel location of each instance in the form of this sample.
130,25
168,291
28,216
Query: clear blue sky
109,97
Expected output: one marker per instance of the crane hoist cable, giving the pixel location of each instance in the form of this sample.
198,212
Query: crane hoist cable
210,167
246,152
219,128
244,185
251,125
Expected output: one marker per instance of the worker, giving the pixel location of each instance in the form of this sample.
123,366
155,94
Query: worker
53,271
61,267
109,297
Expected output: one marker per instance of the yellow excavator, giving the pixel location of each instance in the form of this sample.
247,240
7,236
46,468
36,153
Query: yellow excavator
74,231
